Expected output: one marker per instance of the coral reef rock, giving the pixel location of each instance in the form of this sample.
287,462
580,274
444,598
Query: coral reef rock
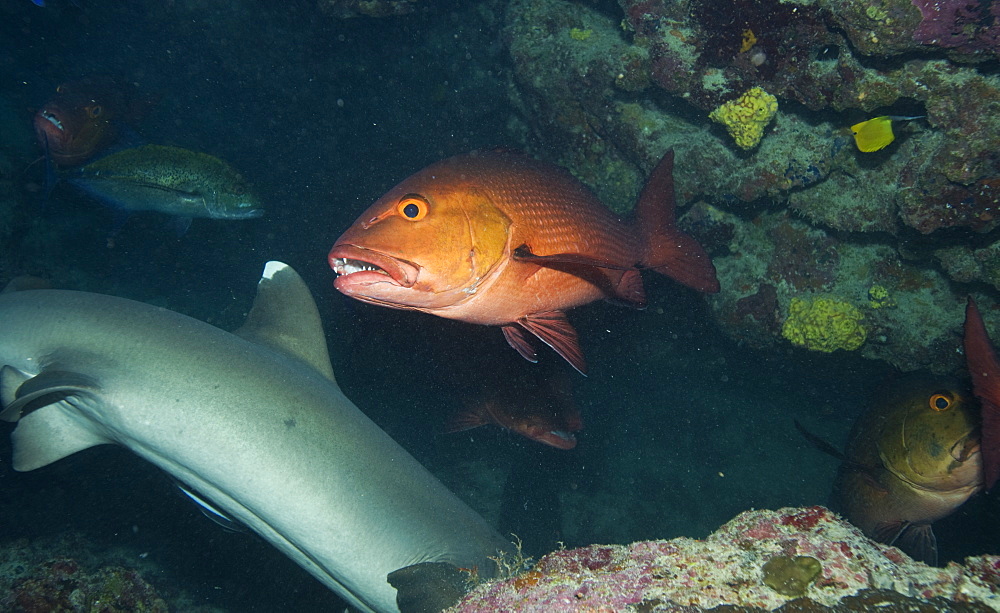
792,559
608,89
63,585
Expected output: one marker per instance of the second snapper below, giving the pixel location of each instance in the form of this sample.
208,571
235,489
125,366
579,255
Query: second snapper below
499,238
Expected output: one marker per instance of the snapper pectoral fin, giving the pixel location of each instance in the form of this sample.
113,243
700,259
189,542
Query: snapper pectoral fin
524,254
917,540
624,287
466,420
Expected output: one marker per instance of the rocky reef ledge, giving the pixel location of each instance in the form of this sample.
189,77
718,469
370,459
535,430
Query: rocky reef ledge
792,559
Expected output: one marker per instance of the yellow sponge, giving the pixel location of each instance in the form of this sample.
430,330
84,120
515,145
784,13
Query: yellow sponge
825,324
746,117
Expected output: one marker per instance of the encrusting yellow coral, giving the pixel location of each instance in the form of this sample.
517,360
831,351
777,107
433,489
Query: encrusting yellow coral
879,298
746,117
825,324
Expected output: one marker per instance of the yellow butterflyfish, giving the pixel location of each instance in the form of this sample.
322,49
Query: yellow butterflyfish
876,133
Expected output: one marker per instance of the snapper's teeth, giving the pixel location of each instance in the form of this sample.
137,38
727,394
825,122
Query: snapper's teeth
343,266
53,120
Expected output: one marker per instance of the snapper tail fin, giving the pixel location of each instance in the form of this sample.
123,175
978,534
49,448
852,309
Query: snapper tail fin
668,250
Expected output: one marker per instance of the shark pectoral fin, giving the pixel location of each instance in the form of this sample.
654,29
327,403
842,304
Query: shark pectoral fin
428,587
10,380
44,436
21,393
284,318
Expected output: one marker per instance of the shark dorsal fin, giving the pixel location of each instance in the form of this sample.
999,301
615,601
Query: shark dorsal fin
284,318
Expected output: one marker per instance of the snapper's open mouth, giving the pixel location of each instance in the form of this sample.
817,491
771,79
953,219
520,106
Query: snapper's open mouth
346,266
51,118
357,266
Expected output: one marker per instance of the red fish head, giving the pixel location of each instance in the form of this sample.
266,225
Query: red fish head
74,126
428,244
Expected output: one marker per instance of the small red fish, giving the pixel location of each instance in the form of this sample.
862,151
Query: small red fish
498,238
546,414
981,360
84,116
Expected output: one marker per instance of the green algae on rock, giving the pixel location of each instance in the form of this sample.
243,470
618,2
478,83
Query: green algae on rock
791,576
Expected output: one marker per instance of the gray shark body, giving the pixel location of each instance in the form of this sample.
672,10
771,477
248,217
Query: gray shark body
252,421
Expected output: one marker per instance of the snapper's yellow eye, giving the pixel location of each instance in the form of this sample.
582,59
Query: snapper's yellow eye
412,207
94,111
941,401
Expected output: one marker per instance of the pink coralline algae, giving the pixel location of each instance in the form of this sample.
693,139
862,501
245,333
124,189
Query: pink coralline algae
727,568
969,26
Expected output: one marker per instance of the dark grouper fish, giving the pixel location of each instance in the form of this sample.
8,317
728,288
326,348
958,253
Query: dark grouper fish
169,180
922,449
911,459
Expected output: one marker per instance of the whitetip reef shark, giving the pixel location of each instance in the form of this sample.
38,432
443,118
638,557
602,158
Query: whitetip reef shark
252,421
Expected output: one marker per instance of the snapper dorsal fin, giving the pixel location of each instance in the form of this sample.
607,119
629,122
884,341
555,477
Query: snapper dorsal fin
284,318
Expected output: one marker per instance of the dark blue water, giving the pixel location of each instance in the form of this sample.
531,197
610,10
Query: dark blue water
683,429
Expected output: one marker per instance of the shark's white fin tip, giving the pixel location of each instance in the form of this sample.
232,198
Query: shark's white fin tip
284,318
272,268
